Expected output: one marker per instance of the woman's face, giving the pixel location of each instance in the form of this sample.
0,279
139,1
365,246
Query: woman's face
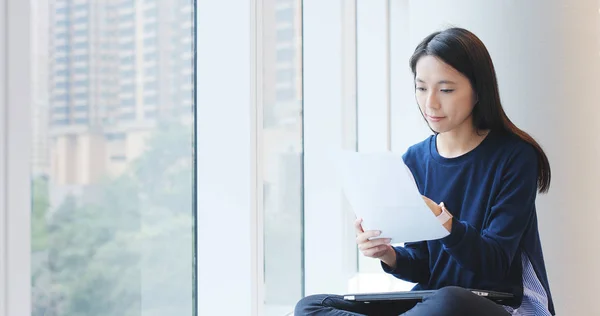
445,96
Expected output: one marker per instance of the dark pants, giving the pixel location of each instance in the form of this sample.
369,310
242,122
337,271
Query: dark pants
448,301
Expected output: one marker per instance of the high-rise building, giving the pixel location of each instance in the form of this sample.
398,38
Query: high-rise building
282,43
281,150
39,76
117,66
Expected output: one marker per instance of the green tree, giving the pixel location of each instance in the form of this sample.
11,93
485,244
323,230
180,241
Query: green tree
40,205
128,249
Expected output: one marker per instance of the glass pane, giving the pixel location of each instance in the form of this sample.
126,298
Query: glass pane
282,155
113,217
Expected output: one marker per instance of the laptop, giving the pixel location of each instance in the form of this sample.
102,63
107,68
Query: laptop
419,295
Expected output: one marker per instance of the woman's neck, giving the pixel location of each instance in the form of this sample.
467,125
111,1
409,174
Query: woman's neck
459,141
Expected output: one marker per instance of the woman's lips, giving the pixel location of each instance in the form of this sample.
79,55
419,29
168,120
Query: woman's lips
434,118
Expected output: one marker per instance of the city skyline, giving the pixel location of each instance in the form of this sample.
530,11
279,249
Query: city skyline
114,67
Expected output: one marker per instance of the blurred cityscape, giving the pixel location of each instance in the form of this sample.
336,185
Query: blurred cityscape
105,71
113,99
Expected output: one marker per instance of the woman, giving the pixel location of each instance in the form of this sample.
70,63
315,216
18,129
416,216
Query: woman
485,174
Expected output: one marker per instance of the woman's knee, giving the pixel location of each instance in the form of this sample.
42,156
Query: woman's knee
309,304
451,294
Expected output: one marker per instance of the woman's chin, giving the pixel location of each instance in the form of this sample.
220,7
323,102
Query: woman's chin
437,128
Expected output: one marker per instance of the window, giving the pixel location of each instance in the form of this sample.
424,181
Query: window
59,122
127,73
79,33
81,83
61,73
127,32
127,59
151,56
151,85
60,110
282,172
81,20
62,48
118,158
151,71
61,97
80,7
80,96
285,55
80,58
127,102
285,15
150,100
128,87
127,46
61,35
81,121
112,221
285,75
81,108
115,136
62,23
187,80
80,70
150,114
81,45
151,41
284,95
127,16
127,4
151,13
61,11
285,35
61,85
127,116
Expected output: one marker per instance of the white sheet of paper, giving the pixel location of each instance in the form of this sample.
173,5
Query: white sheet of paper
381,190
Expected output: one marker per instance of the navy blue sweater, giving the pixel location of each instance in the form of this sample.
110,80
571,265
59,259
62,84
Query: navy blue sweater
491,193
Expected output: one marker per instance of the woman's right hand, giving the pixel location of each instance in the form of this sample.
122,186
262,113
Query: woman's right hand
379,248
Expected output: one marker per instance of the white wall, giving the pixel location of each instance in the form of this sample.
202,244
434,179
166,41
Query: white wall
546,55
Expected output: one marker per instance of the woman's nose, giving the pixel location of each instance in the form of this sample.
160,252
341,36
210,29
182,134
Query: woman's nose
432,101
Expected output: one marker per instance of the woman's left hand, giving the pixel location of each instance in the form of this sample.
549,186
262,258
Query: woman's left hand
436,209
448,224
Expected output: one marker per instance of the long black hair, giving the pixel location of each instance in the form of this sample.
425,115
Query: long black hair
466,53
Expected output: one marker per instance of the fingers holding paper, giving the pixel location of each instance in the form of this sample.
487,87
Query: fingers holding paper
368,244
358,226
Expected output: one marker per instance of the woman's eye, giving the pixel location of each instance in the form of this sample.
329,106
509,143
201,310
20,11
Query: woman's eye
420,88
447,90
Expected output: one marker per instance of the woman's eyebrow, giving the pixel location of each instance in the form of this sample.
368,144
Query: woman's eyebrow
439,82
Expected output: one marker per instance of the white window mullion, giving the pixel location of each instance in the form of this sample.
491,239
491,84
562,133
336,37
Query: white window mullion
3,158
372,75
15,148
226,162
329,248
383,81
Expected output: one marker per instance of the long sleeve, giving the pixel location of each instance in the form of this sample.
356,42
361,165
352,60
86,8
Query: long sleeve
488,253
412,263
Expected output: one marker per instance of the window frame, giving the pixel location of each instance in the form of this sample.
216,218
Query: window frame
329,124
228,175
15,148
